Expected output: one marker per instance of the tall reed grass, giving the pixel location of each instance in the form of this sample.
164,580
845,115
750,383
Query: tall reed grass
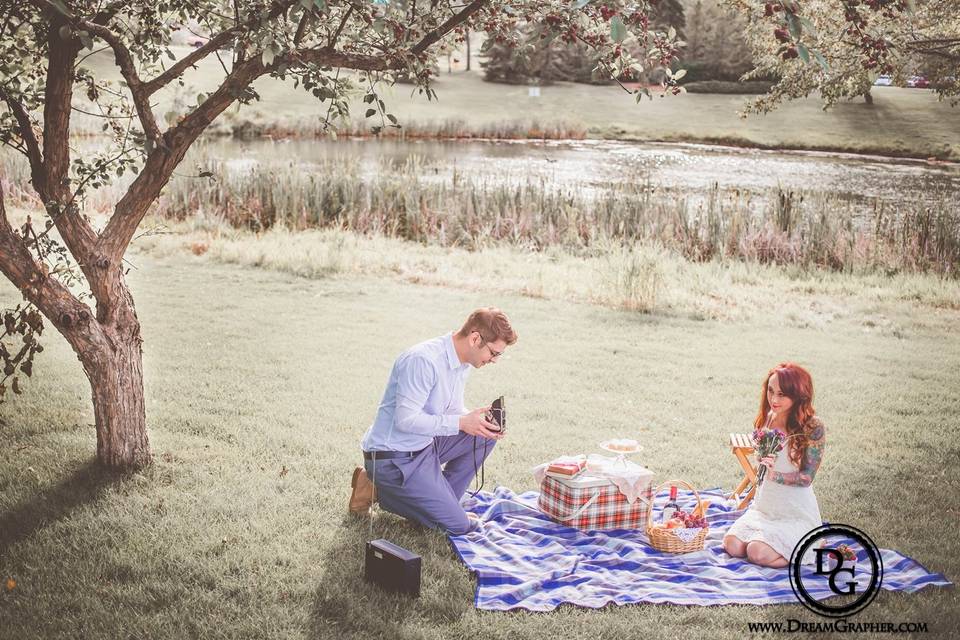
417,202
429,204
447,129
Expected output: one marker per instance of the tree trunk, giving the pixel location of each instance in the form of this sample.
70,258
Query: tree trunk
115,370
118,409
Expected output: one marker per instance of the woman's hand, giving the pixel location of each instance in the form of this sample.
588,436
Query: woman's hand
768,462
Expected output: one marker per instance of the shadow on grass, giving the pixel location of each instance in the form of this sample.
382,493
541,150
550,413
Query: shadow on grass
354,607
83,486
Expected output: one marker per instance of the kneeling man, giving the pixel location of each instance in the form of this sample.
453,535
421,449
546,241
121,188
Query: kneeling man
424,446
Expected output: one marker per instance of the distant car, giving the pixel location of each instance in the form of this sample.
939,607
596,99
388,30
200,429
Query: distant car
196,41
883,81
918,82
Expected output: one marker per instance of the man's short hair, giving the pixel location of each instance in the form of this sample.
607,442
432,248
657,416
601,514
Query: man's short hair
492,325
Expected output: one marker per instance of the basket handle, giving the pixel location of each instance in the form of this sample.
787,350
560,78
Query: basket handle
586,505
661,486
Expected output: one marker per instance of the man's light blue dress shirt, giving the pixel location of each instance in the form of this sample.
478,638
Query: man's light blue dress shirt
423,399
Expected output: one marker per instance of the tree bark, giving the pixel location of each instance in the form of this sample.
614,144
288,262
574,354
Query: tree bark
114,367
109,349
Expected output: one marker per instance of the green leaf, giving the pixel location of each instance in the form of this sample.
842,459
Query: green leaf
679,74
392,118
61,7
804,53
306,4
580,4
808,26
370,97
794,25
267,56
170,55
85,39
821,60
618,32
65,32
370,112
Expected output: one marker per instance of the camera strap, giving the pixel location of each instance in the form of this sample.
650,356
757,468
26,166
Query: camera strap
479,470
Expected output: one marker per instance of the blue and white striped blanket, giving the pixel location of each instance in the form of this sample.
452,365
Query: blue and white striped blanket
524,560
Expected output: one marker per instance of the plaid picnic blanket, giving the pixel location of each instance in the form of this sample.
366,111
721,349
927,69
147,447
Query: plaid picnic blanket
523,560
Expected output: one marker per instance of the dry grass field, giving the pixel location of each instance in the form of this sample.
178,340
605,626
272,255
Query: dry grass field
259,383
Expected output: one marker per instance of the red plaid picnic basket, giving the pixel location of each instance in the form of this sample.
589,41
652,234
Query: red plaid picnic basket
589,502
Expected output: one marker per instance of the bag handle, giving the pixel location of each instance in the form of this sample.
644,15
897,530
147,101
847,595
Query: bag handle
586,505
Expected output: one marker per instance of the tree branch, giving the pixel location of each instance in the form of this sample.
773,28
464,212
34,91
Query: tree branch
49,295
141,98
451,23
158,168
27,134
343,23
302,26
54,189
327,57
212,45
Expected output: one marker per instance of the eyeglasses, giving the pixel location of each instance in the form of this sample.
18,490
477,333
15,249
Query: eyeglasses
494,355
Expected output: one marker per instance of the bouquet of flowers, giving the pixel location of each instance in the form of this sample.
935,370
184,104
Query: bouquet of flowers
767,442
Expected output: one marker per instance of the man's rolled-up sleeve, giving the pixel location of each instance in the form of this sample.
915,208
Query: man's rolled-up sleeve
417,378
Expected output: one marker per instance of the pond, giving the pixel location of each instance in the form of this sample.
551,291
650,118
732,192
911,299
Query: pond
686,169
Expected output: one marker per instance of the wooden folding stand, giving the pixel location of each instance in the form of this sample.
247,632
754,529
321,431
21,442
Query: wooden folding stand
742,445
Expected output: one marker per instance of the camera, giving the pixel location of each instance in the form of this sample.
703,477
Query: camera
498,415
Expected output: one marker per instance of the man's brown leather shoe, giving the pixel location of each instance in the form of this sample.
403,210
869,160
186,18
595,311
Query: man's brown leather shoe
363,493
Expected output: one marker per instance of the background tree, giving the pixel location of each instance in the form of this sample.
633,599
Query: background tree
717,48
542,59
331,48
839,48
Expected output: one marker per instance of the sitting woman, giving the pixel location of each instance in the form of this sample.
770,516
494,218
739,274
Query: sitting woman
784,508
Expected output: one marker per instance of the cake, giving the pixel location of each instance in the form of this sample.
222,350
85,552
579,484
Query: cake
622,444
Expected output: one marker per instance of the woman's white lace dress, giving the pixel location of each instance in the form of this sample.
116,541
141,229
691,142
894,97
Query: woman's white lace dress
780,515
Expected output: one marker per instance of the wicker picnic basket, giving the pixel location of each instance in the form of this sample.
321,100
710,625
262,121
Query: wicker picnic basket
667,539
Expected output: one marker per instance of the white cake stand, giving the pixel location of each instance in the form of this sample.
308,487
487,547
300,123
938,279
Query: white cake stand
620,453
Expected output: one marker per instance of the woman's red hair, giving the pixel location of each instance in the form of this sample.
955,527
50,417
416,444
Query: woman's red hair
796,384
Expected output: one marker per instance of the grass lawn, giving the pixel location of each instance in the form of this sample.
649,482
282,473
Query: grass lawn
901,121
259,384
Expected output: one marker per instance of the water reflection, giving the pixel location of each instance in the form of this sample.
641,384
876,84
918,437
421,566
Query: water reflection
689,170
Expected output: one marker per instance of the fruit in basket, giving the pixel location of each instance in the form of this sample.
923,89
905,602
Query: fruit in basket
676,523
691,521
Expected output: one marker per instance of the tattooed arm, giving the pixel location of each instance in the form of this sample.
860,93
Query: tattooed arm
811,462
